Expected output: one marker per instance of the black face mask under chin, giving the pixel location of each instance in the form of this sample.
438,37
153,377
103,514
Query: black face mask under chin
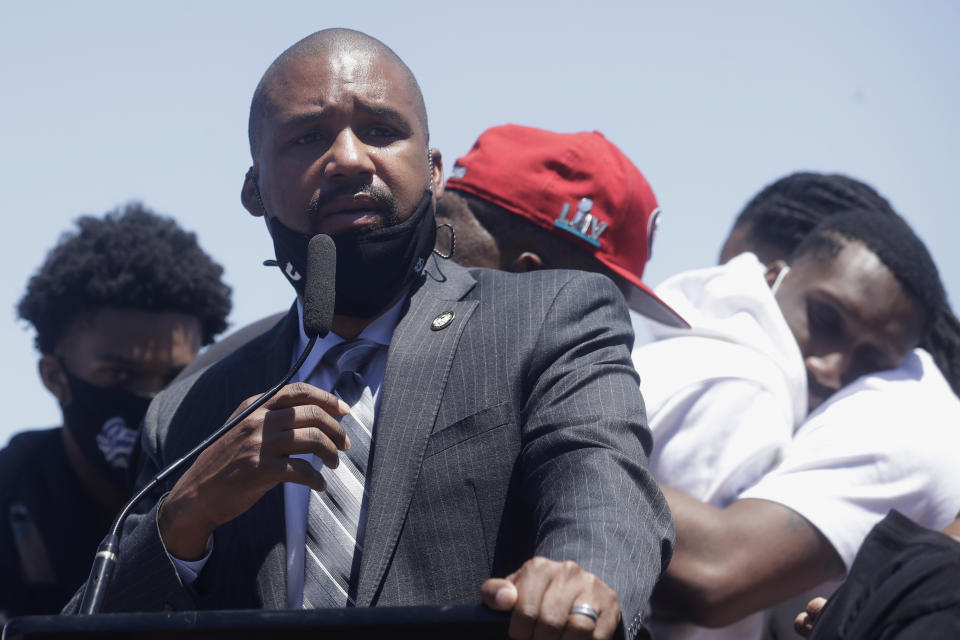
374,266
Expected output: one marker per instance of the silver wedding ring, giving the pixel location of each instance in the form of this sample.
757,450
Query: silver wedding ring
585,610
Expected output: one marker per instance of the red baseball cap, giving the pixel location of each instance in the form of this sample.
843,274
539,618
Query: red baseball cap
581,187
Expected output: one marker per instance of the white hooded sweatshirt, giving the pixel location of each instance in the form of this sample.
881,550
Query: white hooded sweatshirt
724,397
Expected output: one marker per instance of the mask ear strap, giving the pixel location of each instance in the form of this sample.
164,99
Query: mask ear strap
780,276
453,242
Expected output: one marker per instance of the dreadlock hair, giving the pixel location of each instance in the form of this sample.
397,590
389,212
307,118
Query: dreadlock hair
785,211
131,258
894,243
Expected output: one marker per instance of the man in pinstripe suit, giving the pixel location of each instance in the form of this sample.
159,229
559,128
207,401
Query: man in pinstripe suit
509,445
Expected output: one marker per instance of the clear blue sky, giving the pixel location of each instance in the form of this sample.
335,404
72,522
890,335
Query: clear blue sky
103,102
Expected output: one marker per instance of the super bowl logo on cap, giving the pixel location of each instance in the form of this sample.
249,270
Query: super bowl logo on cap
583,225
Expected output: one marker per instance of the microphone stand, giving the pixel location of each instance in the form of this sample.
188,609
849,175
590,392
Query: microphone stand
106,559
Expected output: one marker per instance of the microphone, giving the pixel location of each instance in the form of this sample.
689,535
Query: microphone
318,303
319,290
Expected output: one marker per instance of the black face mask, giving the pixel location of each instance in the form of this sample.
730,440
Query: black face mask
373,265
105,424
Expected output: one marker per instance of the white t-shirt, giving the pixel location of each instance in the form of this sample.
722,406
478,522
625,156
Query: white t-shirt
724,397
889,440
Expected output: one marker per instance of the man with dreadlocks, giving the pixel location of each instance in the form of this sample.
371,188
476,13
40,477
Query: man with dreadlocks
748,392
778,218
859,293
120,305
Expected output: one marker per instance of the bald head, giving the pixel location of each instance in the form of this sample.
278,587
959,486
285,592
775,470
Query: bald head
326,44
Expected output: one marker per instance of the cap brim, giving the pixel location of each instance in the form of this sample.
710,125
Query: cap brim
644,302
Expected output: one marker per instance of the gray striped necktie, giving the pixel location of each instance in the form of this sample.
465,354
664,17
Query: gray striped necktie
333,520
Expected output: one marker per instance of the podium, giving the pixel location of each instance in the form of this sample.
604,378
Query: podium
463,622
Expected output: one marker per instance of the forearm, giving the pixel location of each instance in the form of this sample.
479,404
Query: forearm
701,577
610,519
735,561
584,449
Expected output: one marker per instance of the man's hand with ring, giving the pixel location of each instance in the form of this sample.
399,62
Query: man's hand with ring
552,599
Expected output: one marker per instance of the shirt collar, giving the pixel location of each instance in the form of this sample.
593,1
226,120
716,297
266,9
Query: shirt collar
380,331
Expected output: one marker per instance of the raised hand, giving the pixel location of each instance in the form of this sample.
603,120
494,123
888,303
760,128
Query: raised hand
249,460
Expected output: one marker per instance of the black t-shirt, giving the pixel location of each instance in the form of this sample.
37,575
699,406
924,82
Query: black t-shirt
49,526
904,583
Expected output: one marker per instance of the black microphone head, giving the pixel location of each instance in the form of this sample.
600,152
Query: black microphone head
319,291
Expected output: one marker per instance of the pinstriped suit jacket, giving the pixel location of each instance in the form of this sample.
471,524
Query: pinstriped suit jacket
517,430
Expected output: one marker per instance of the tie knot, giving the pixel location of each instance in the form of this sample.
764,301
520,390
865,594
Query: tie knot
352,355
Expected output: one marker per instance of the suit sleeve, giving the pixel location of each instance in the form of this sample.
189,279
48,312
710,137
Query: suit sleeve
586,443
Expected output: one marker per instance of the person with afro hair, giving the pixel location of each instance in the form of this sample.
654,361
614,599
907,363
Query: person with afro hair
120,305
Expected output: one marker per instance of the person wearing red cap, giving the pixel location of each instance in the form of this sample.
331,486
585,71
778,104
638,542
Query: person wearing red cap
524,199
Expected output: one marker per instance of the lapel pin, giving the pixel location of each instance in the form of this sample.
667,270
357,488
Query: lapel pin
442,321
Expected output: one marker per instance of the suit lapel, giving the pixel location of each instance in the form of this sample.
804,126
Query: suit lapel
418,364
262,529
